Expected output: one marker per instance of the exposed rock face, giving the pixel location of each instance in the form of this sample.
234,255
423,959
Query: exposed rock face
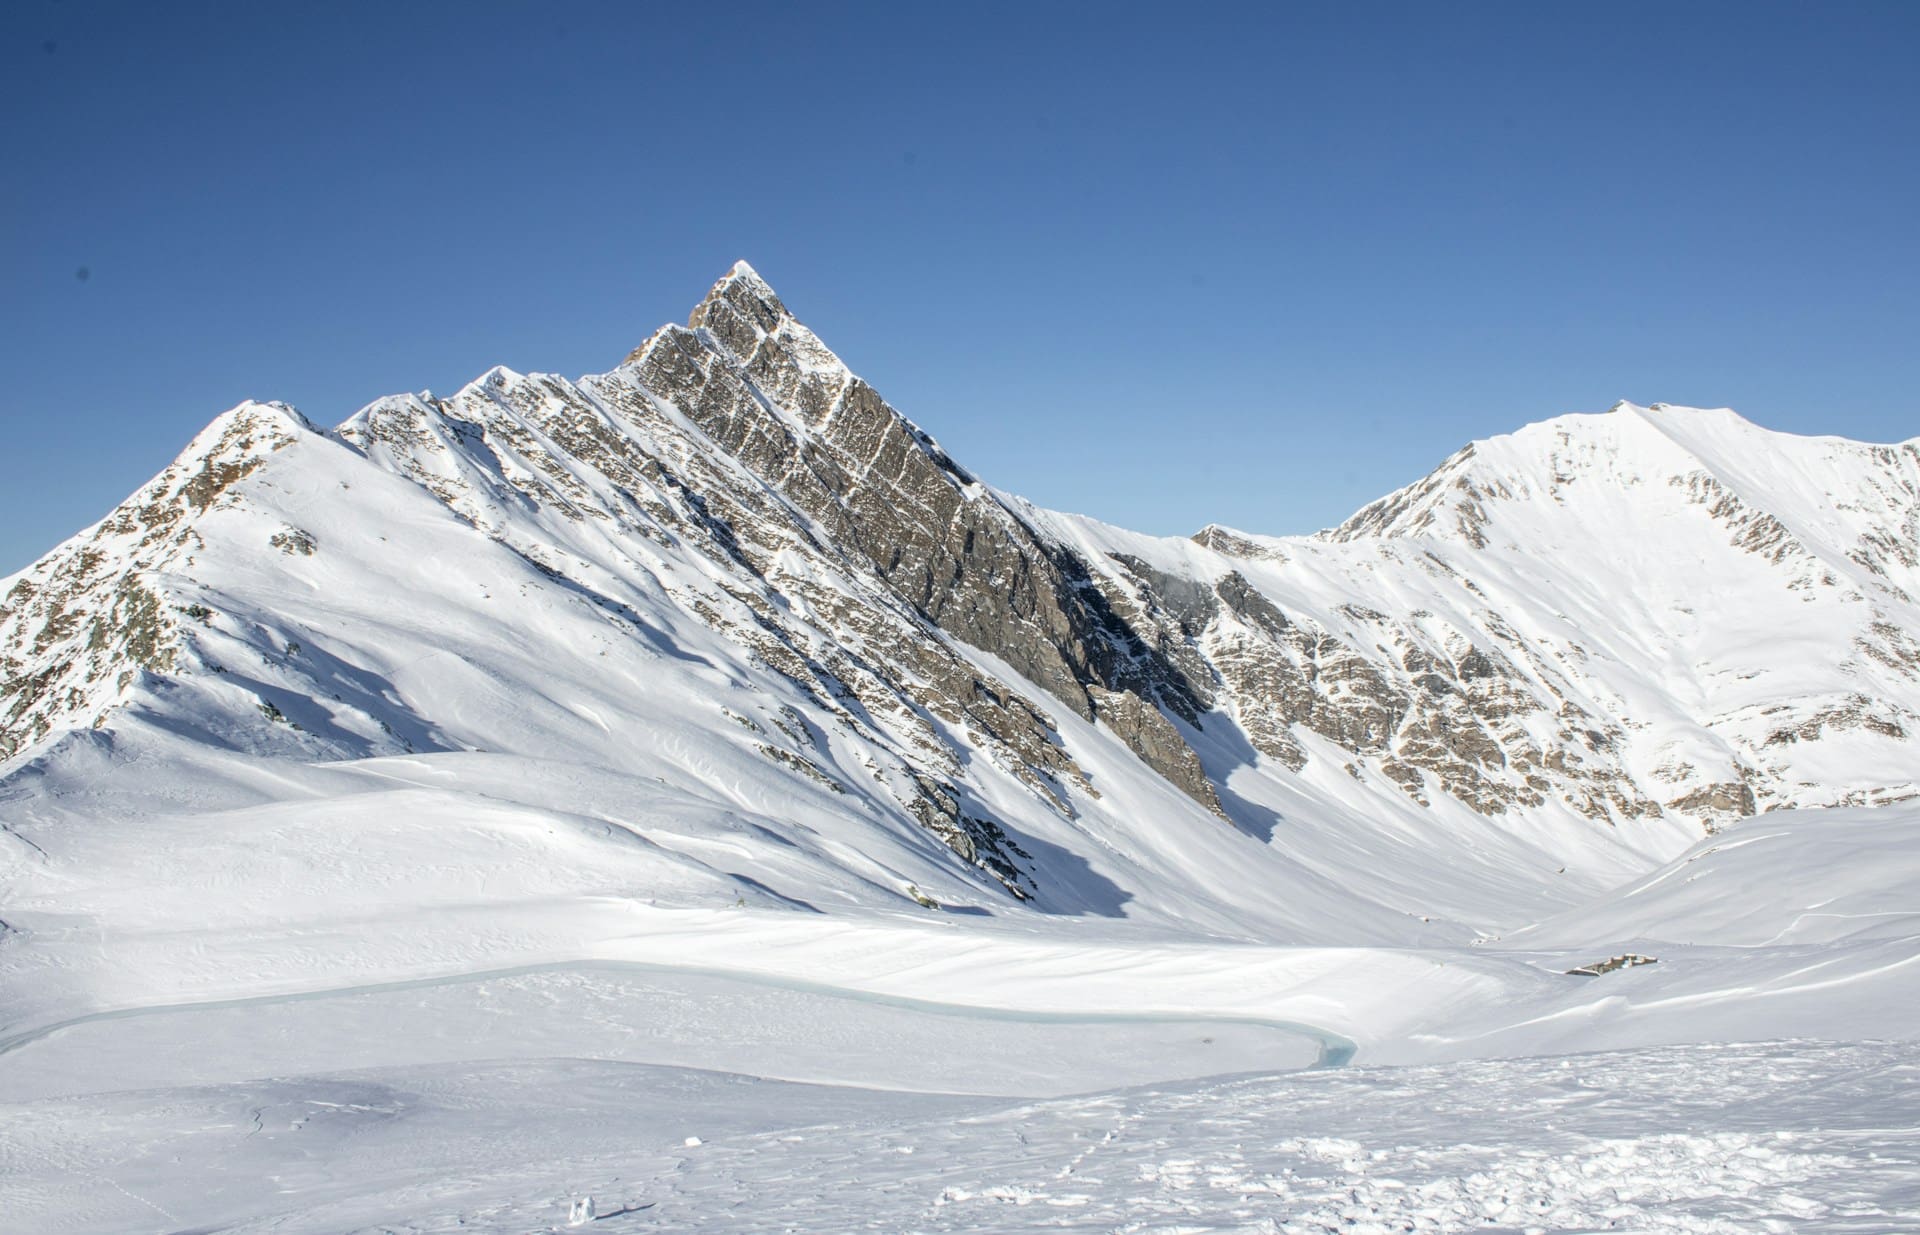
764,388
1432,715
1501,634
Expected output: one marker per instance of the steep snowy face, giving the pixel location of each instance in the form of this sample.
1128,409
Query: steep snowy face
728,585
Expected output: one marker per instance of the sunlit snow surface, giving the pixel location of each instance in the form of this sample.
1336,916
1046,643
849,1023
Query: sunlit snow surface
1782,1137
761,1070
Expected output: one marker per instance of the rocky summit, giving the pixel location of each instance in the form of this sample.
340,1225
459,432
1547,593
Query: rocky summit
727,583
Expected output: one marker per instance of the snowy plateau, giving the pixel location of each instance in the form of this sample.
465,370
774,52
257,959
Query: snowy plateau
684,798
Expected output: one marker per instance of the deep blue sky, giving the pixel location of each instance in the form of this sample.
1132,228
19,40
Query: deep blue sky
1165,265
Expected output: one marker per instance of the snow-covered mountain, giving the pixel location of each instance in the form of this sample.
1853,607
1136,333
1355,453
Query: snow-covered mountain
511,776
726,582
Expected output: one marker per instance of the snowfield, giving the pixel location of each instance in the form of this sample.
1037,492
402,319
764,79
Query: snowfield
683,799
1733,1139
886,1072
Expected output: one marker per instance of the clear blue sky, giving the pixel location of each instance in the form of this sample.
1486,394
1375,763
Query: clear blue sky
1164,265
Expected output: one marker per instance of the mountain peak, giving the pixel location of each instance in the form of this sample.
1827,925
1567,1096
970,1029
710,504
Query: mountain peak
747,294
747,319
